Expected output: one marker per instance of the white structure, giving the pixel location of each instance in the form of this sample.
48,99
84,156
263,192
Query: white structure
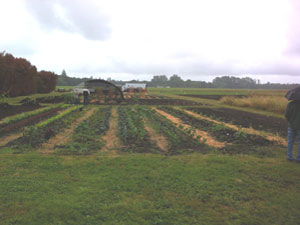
136,86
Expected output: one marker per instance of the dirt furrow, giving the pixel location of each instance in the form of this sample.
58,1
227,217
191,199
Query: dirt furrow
112,142
204,135
65,135
159,140
266,135
5,140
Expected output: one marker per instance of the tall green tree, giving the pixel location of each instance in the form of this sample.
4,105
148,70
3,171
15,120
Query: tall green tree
63,73
160,80
176,81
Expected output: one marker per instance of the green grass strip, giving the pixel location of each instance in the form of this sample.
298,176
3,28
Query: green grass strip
21,116
52,119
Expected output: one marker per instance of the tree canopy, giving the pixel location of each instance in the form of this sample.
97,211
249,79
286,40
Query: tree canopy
19,77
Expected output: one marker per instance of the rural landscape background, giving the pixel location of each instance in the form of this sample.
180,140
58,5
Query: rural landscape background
185,117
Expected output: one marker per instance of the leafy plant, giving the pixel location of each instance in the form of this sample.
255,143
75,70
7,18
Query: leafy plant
3,99
240,135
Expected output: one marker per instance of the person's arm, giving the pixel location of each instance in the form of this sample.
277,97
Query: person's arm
289,111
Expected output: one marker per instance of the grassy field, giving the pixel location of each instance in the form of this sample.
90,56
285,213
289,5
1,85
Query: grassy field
215,91
149,189
78,180
274,103
199,91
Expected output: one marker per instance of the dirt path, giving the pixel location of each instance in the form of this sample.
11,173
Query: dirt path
204,135
110,138
5,140
159,140
266,135
65,135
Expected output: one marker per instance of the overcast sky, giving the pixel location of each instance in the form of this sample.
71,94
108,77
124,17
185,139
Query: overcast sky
136,39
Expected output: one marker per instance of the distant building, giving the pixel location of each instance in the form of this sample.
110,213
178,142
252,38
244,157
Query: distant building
136,87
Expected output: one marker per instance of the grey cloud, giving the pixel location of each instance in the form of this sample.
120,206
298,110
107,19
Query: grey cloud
75,16
195,67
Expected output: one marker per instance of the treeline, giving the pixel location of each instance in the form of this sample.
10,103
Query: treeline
65,80
176,81
229,82
18,77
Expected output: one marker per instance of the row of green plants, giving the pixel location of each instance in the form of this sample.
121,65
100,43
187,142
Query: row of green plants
219,131
179,140
132,132
86,138
57,117
21,116
35,136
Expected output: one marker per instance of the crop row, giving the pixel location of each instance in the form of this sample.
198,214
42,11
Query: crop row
86,137
34,136
179,141
21,116
57,117
131,131
218,131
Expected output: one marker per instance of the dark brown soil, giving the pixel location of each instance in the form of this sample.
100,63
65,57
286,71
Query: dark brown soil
153,101
165,101
246,119
10,110
55,99
5,129
214,97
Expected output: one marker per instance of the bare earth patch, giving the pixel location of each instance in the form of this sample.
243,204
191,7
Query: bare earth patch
65,135
160,140
266,135
110,138
204,135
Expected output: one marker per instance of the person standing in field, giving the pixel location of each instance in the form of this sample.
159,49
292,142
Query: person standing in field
292,114
86,94
76,97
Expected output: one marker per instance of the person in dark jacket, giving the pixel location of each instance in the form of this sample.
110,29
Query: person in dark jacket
292,114
86,94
